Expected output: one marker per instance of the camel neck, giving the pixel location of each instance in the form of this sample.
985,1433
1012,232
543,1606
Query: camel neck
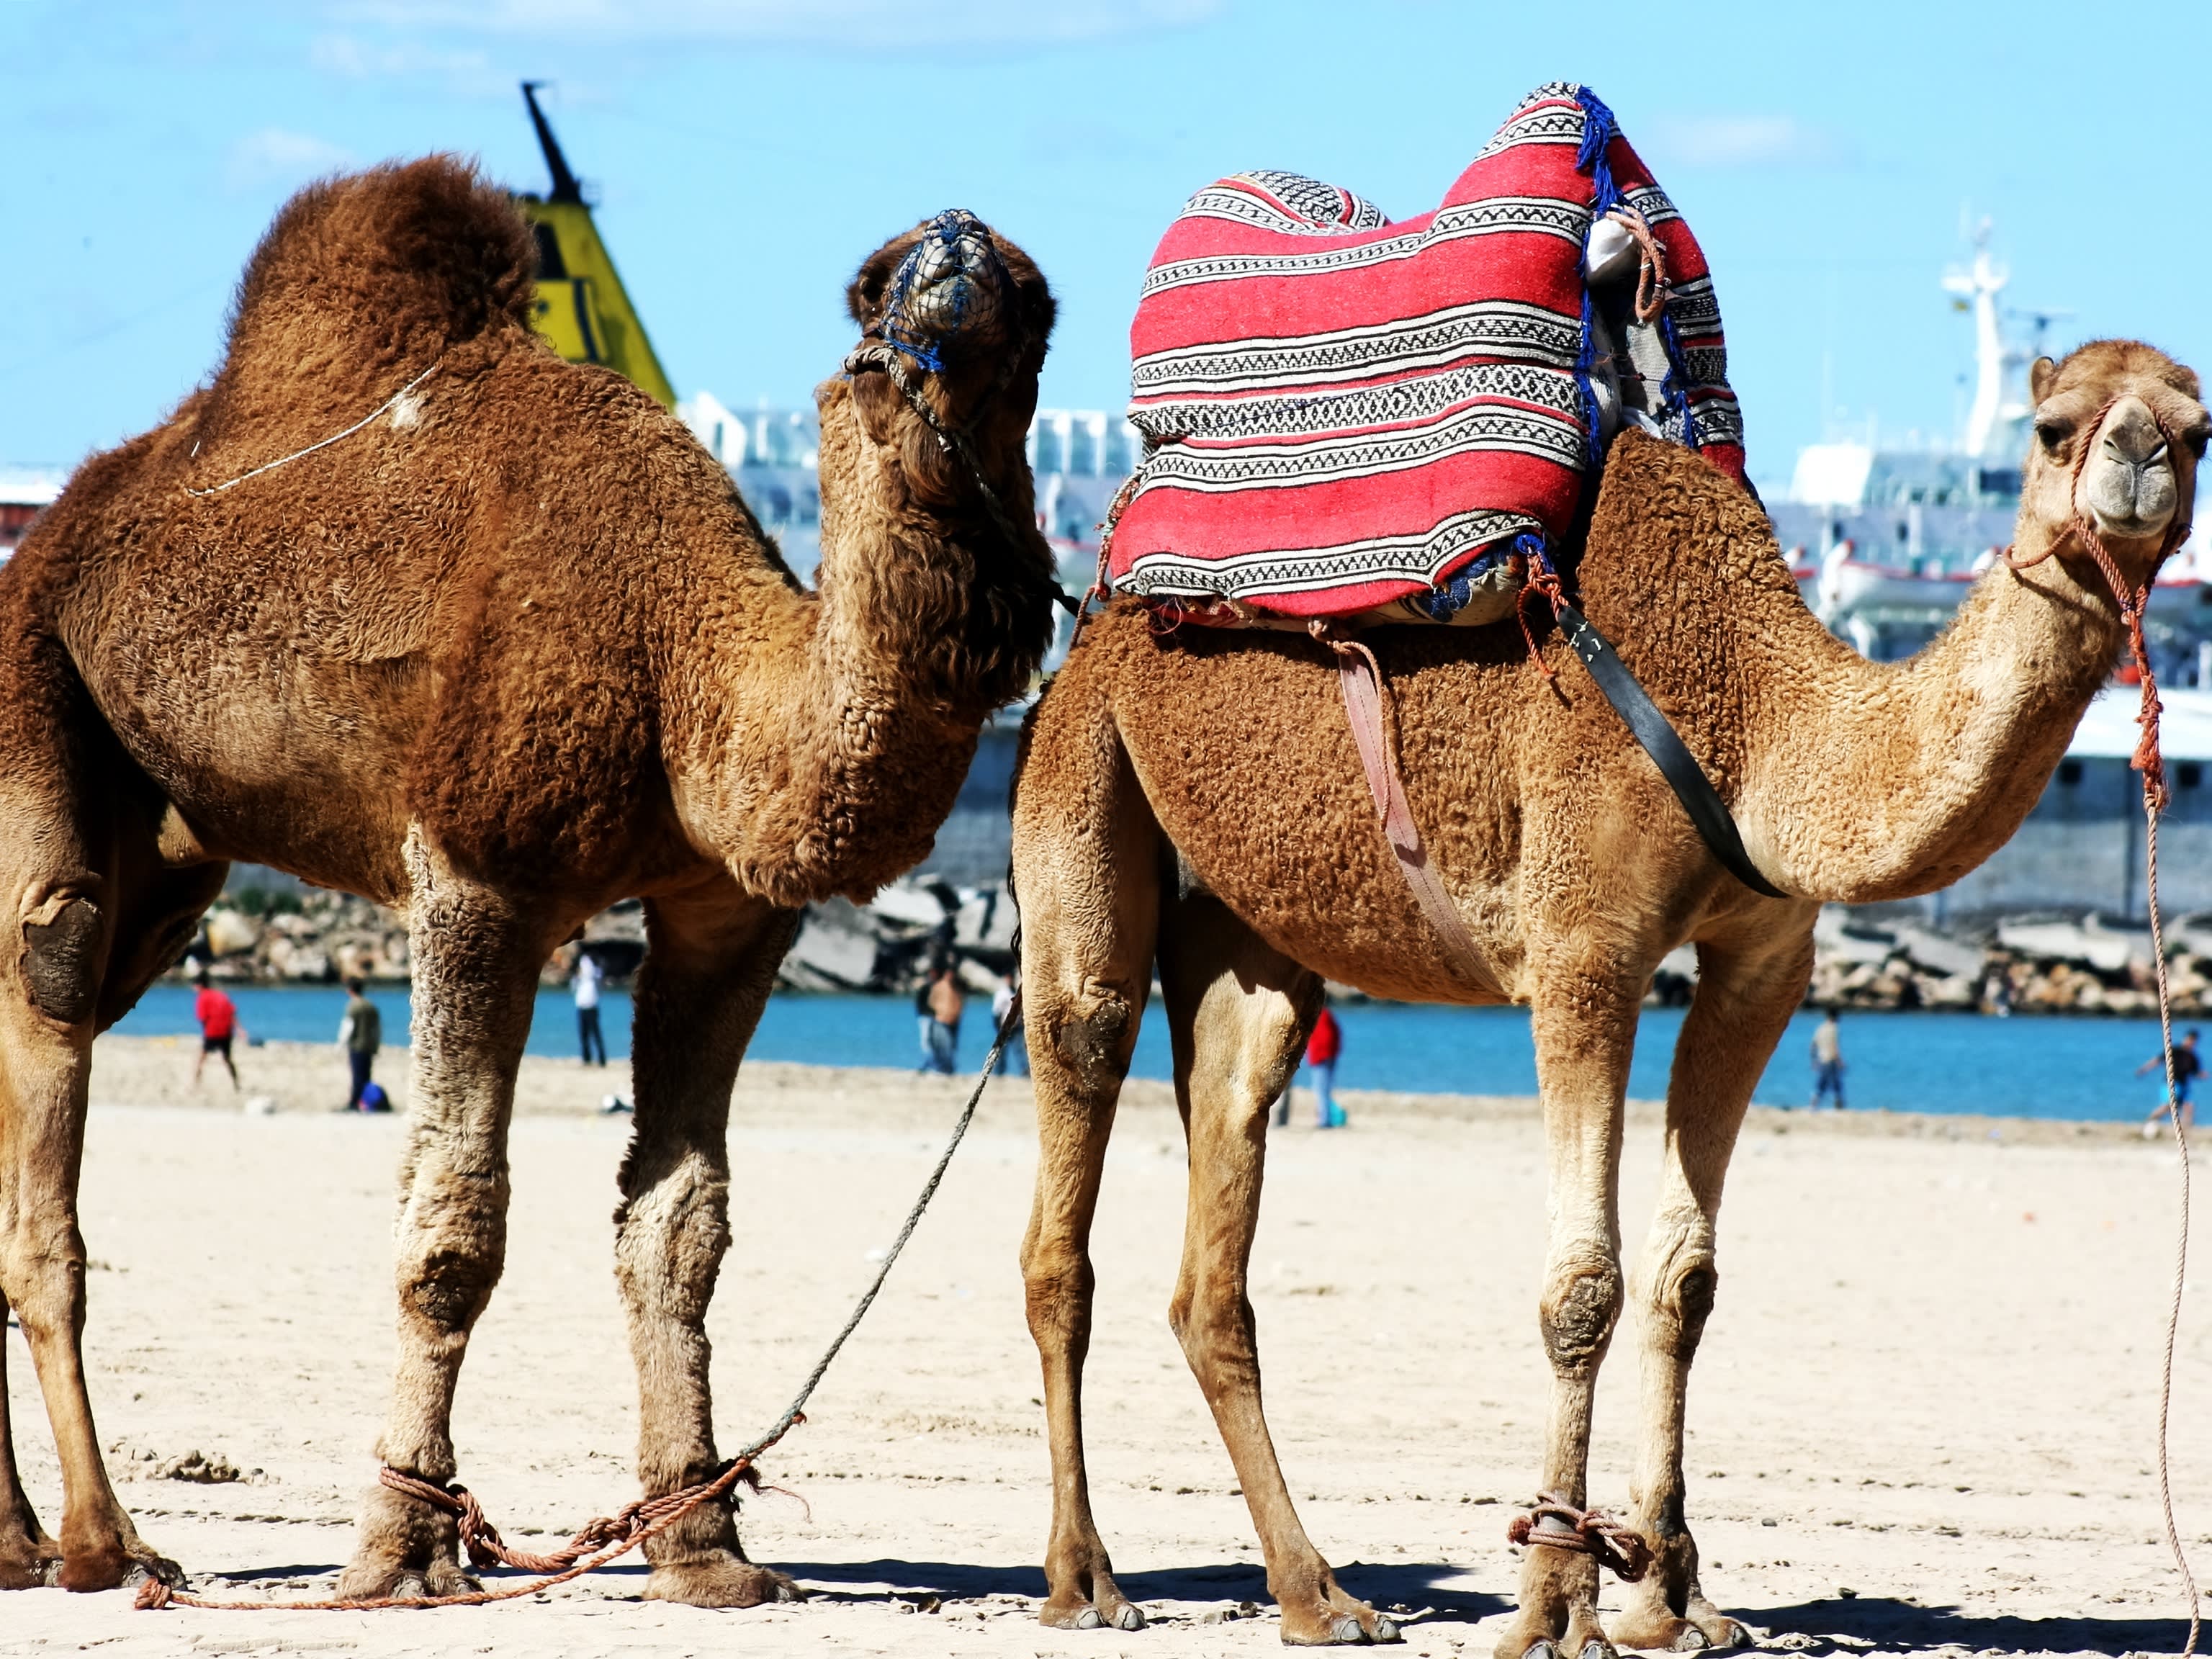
905,650
1869,781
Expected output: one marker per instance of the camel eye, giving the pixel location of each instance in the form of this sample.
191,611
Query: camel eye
2193,440
2054,433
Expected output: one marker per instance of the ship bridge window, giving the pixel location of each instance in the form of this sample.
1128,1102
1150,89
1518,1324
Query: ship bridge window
551,267
2070,773
2191,774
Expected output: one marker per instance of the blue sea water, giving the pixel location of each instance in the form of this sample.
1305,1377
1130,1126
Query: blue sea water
2028,1066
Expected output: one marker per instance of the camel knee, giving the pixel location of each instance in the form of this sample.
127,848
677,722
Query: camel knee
1681,1302
451,1257
1216,1329
1092,1037
1581,1305
42,1271
1056,1288
63,941
669,1242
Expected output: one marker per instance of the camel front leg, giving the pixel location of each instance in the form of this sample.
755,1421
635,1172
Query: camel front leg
1238,1012
476,956
1086,869
1583,1020
1745,997
709,966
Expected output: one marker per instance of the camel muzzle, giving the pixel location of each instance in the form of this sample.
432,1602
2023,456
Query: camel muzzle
951,285
2129,486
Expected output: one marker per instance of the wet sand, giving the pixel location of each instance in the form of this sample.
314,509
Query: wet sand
1922,1419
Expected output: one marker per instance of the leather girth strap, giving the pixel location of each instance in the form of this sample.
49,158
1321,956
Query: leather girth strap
1361,677
1707,810
1366,703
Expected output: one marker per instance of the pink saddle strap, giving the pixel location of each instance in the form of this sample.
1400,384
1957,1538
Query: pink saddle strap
1366,706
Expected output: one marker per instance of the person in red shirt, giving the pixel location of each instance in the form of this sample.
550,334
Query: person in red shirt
1323,1048
218,1017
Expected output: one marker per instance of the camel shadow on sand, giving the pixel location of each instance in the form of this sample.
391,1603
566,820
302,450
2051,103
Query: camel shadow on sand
1895,1626
1423,1585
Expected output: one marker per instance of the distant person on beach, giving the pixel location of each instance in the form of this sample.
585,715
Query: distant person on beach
2187,1066
1323,1049
360,1034
924,1022
1827,1062
585,986
218,1017
947,1003
1017,1057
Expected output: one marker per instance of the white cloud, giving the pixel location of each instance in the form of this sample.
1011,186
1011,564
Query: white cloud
360,60
879,25
1740,141
274,156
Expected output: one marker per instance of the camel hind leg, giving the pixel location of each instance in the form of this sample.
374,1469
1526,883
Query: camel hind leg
1086,869
1238,1011
91,905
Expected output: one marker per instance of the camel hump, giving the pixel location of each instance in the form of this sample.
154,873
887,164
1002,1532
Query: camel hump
363,274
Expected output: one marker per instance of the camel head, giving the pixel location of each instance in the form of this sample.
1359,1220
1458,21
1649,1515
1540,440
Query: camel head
2119,433
956,318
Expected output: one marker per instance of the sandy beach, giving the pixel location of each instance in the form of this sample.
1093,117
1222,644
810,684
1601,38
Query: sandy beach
1923,1418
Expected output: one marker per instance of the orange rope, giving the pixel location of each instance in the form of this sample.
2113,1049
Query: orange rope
599,1542
1557,1524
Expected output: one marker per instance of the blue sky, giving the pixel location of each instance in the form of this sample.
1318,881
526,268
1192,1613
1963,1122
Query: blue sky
748,154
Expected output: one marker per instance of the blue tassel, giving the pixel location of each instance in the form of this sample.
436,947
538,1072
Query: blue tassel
1599,130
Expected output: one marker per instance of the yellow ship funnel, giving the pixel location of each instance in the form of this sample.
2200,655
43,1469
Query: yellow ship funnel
581,308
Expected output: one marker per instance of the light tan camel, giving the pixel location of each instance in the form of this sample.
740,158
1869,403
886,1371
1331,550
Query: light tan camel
1194,800
512,651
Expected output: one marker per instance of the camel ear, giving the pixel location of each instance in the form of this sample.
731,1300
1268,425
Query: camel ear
2039,377
864,298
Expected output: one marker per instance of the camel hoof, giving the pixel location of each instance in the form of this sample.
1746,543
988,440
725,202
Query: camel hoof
1717,1630
1128,1616
147,1565
1386,1629
720,1581
1089,1619
1692,1640
369,1582
1597,1650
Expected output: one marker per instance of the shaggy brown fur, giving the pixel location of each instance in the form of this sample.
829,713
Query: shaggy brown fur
511,652
1195,802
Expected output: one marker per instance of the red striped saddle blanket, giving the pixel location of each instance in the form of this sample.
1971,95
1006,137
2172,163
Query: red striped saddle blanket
1345,416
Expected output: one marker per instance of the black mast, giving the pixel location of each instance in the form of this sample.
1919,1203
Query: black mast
565,187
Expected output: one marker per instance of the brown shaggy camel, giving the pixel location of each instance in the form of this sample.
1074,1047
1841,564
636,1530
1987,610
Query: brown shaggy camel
1194,800
513,653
